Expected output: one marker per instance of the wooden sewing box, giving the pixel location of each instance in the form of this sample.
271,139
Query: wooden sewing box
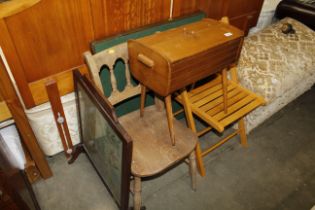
170,60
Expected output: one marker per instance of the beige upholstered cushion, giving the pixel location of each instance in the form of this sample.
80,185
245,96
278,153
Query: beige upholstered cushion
279,67
271,63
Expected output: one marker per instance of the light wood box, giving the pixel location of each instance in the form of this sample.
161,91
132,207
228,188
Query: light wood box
170,60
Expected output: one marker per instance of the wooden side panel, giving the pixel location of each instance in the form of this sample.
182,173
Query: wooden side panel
203,64
213,8
242,13
13,59
183,7
51,36
116,16
239,7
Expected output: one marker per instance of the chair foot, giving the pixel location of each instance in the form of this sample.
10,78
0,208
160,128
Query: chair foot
141,208
193,170
75,154
201,167
242,132
137,193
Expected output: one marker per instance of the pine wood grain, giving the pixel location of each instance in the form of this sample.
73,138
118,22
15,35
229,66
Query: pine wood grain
12,57
116,16
185,7
51,36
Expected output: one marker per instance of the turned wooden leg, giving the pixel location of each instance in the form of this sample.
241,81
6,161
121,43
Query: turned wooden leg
142,99
224,87
193,170
159,104
169,114
137,193
188,112
242,132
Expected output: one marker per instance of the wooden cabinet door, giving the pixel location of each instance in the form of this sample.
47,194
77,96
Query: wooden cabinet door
242,13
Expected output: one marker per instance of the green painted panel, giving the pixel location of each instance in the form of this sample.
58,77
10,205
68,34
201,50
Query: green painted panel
97,46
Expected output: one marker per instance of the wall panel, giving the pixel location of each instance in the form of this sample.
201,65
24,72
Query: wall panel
50,37
117,16
184,7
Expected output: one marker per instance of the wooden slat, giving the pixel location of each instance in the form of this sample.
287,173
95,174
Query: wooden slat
201,95
234,108
64,81
206,86
241,113
231,101
213,95
219,100
211,121
258,97
5,113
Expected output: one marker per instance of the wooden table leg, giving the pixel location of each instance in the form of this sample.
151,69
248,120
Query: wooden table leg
142,99
137,193
169,114
224,87
192,126
193,170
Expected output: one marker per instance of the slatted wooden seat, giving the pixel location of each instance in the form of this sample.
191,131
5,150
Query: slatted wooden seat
219,106
153,152
208,99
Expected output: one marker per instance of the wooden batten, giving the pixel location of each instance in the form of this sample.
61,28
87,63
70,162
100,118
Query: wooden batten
63,79
5,113
12,7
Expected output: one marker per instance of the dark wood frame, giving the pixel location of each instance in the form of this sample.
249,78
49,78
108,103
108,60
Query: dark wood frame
9,175
107,111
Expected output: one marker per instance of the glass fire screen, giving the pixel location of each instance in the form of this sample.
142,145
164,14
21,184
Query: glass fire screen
105,142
